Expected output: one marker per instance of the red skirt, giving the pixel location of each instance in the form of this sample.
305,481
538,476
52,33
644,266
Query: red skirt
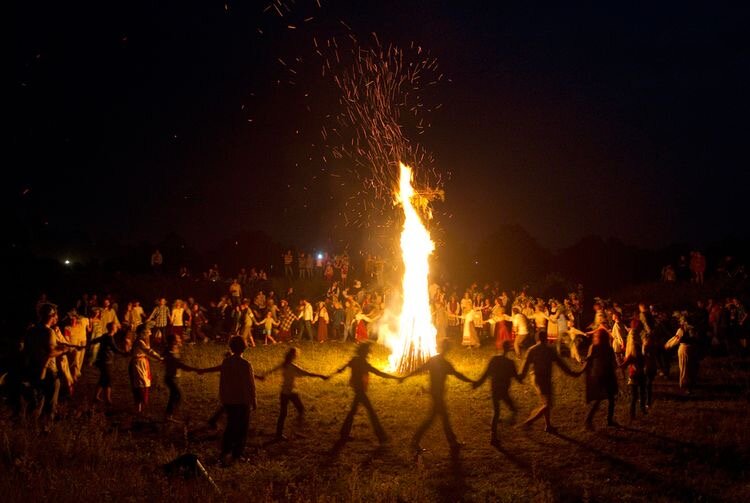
502,333
360,334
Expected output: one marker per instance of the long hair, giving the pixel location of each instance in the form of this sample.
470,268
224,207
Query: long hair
634,345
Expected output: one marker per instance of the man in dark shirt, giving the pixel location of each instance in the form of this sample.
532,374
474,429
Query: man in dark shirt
500,371
439,369
360,376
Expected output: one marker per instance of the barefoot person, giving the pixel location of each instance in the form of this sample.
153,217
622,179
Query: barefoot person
439,369
105,359
290,373
268,325
360,376
500,371
541,357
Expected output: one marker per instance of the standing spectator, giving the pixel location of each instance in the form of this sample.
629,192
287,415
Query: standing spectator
322,319
97,329
160,318
338,317
320,261
177,319
134,317
235,292
237,393
301,265
156,262
683,270
288,258
306,317
78,331
309,264
109,315
286,320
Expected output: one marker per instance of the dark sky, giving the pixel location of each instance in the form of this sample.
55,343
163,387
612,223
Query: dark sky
141,118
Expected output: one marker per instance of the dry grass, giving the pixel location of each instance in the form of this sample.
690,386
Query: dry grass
684,450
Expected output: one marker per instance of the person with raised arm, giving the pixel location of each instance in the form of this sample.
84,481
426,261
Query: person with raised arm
500,371
140,368
439,369
541,357
237,393
105,359
290,372
360,377
601,377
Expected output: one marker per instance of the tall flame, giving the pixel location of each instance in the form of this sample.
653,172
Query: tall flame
415,342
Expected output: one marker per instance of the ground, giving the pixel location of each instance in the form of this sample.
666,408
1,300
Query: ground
694,448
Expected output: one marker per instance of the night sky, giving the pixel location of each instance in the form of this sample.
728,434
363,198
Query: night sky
136,119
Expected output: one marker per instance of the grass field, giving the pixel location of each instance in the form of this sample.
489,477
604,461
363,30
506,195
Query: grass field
686,449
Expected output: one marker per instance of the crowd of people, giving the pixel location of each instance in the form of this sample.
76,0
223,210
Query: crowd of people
615,346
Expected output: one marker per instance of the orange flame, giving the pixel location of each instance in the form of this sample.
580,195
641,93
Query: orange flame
415,341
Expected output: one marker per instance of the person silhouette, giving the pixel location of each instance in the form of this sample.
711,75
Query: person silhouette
541,357
290,372
439,369
500,371
360,376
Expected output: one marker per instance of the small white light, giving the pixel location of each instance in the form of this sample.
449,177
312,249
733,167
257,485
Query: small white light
66,262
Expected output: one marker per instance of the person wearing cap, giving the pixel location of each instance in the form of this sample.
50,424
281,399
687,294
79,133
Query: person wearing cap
359,379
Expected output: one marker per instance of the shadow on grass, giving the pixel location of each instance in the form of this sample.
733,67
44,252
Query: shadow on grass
664,486
563,490
451,481
729,459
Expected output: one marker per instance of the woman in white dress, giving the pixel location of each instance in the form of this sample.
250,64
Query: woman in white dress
470,338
